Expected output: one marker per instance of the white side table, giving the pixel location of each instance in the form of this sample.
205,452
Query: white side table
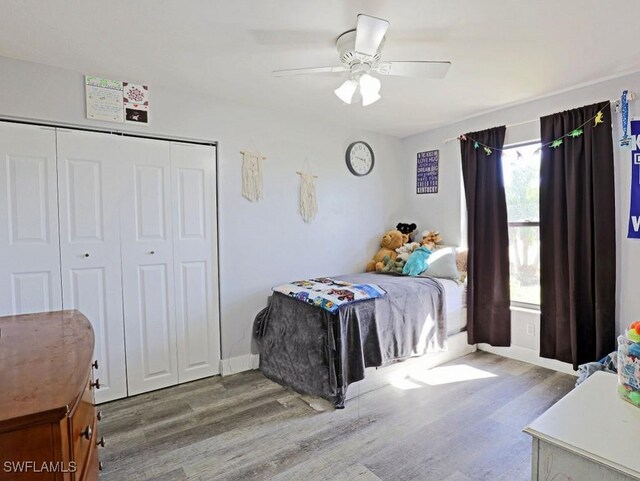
590,434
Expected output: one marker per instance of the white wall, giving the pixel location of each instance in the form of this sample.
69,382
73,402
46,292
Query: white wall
261,244
445,211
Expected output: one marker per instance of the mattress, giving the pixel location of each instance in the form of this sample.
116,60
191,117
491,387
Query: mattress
456,302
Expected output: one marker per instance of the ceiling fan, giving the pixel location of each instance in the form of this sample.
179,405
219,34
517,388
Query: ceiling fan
360,55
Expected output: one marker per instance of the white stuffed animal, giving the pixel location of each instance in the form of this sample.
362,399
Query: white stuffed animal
405,251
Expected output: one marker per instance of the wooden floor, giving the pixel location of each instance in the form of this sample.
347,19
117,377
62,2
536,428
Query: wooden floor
244,427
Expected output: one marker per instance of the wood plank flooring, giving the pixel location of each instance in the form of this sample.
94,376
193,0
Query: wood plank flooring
245,427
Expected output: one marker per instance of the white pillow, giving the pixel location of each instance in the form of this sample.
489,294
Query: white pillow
442,263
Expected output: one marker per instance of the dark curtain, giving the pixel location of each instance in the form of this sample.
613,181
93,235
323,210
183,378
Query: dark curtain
488,313
577,237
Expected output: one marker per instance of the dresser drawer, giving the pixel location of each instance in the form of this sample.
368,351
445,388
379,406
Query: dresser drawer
21,452
84,431
93,466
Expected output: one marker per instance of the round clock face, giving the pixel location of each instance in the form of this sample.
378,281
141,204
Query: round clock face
360,158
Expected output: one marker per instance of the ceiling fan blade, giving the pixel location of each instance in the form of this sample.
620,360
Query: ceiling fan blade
305,71
369,34
434,70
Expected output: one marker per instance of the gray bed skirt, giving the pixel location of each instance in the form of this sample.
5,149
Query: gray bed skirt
319,353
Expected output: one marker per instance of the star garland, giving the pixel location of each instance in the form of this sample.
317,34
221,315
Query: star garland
597,119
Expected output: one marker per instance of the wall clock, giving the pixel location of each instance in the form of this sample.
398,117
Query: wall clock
360,158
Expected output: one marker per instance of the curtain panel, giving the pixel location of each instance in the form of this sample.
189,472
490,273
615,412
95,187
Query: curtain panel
488,312
577,237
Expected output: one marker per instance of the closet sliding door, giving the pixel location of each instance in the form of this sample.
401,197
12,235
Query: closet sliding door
193,169
147,264
29,249
89,171
124,230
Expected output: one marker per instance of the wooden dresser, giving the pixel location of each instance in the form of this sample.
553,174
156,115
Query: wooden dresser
48,421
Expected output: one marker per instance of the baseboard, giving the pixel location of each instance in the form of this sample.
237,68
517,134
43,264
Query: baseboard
529,355
238,364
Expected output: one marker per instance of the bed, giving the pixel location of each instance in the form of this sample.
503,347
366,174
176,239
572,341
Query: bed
455,305
321,354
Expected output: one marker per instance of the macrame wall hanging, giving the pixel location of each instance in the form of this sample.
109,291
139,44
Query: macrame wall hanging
308,207
252,175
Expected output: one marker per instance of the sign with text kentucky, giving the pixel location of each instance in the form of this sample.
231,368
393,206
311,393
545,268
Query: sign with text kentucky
427,172
634,213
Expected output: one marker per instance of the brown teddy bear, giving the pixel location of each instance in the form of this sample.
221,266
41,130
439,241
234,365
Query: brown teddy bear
390,241
430,238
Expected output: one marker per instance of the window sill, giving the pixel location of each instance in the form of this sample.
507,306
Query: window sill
530,308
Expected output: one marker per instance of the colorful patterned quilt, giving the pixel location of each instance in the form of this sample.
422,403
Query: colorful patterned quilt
329,294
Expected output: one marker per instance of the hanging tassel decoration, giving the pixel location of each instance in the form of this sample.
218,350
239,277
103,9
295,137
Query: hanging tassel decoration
252,176
625,141
308,203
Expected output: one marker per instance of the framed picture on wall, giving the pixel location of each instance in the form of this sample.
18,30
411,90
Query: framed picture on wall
427,172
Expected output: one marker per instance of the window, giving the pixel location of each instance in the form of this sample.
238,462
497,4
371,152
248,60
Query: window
521,168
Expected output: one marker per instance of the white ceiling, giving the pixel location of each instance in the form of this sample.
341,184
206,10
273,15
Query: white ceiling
503,51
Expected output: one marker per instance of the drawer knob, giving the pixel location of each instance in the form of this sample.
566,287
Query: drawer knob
99,415
86,254
100,466
96,384
101,442
95,364
152,252
87,432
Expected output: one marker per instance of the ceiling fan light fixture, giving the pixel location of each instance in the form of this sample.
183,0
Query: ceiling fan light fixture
369,88
360,52
370,99
346,91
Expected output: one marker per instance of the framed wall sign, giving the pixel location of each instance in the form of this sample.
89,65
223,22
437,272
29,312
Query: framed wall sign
116,101
103,99
136,103
427,172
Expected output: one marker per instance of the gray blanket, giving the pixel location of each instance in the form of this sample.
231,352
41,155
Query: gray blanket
319,353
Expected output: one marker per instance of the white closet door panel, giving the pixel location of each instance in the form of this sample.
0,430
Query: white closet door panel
89,167
29,243
155,315
195,260
28,199
85,199
32,292
147,259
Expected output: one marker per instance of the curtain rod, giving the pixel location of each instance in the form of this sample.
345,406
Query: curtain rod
631,96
